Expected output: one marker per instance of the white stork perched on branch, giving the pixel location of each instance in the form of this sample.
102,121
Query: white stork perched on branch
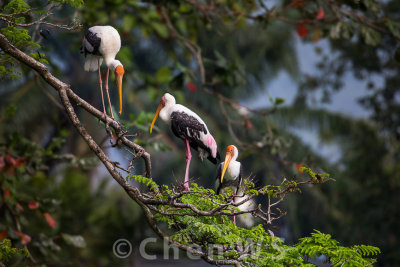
188,126
104,42
232,170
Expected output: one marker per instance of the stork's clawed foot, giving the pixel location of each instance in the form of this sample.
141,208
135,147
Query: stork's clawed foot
186,187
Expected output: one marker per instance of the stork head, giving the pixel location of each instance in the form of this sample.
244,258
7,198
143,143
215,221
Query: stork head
166,100
119,73
231,154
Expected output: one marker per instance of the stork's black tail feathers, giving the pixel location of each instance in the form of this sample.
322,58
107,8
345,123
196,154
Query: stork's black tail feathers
216,159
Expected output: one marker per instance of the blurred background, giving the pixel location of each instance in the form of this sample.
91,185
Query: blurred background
314,99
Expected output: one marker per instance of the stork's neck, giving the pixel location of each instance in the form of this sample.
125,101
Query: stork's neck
112,63
233,170
235,155
165,113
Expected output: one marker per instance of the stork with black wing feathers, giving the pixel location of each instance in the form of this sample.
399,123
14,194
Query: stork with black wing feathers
188,126
103,43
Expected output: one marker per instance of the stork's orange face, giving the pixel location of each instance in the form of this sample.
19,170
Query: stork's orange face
160,106
230,149
119,74
230,152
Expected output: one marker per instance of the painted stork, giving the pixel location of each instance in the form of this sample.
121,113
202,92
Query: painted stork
232,170
188,126
104,42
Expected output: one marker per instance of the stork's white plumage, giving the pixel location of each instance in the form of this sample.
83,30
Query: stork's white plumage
232,171
188,126
103,43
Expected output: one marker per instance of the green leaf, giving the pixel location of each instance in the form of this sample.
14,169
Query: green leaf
161,29
393,27
371,37
128,22
163,75
279,101
372,5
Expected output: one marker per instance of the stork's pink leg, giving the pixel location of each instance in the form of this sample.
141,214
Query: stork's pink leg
108,95
101,88
234,216
188,157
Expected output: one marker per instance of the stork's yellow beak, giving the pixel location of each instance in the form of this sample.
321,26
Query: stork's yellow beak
160,106
228,158
119,71
119,86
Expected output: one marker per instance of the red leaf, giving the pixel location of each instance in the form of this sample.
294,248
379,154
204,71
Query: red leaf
19,162
9,164
19,207
10,160
159,10
192,87
297,3
302,31
3,234
248,123
33,205
2,163
298,167
320,14
7,193
50,220
25,239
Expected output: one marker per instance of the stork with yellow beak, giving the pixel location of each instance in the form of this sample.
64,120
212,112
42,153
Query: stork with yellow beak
103,43
232,171
189,127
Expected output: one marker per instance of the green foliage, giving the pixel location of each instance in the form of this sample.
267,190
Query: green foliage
223,240
18,36
73,3
316,177
146,181
30,216
319,244
16,6
7,252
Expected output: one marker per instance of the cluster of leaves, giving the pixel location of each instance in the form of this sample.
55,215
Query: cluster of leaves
15,12
374,26
24,166
218,237
7,252
15,18
319,244
361,19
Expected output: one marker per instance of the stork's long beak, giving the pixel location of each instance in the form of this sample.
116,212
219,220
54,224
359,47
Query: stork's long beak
119,86
160,106
228,158
119,73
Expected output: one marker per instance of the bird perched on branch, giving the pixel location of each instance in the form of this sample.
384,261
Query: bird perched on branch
103,43
232,171
188,126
